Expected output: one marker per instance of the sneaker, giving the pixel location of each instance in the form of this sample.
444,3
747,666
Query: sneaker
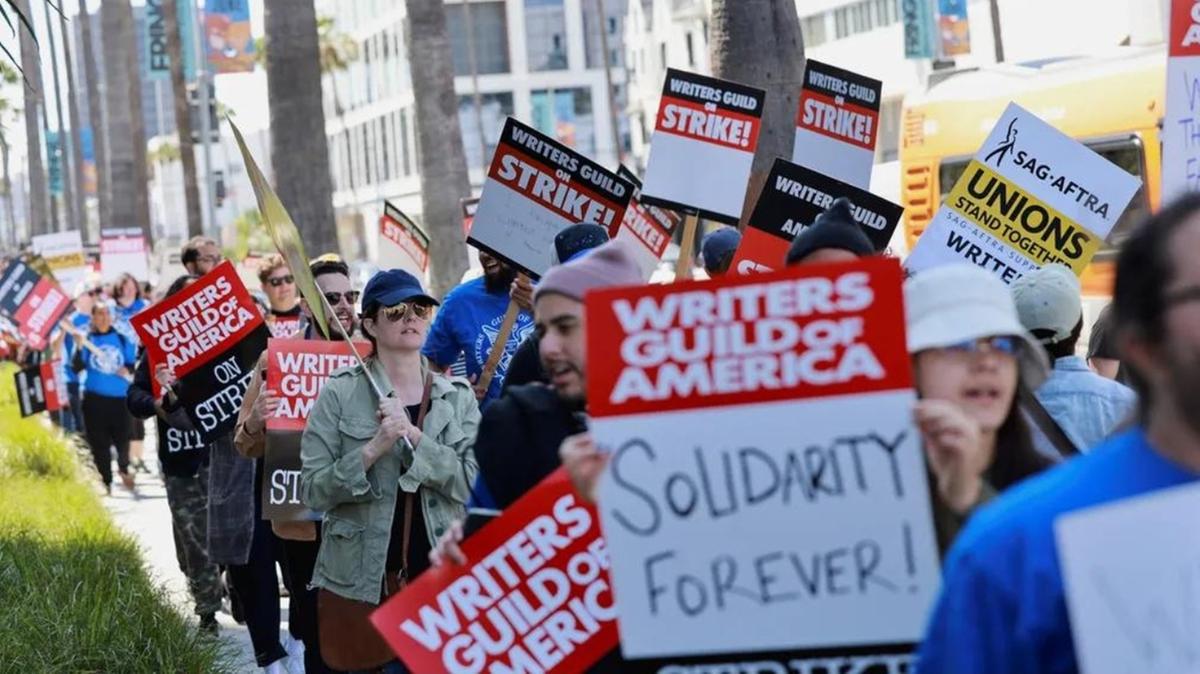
128,481
295,651
209,625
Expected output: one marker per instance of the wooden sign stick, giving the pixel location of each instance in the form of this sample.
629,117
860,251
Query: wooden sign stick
493,361
683,266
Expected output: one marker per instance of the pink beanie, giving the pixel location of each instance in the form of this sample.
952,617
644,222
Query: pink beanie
609,265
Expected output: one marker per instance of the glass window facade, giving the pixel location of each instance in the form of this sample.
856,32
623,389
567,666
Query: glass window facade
566,115
494,109
546,35
489,25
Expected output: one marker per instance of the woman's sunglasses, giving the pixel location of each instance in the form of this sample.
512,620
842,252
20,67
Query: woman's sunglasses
401,311
277,281
998,344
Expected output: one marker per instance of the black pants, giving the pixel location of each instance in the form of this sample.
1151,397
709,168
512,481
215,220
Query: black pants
107,425
300,558
257,585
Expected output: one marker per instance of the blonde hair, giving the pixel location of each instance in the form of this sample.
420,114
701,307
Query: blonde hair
268,265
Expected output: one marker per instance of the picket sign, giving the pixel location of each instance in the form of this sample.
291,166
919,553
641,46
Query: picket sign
1031,196
1181,119
402,242
837,123
123,250
649,227
34,302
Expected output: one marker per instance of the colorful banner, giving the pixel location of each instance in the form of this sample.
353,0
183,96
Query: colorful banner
63,253
917,16
402,242
728,535
35,303
703,146
537,187
54,163
791,200
535,579
837,123
1181,121
227,38
1031,196
157,59
650,227
88,148
297,370
212,334
954,28
123,250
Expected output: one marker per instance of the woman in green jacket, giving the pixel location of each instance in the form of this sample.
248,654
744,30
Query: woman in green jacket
389,472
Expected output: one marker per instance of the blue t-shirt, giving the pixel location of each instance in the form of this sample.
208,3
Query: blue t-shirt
80,321
1002,606
116,352
122,315
467,324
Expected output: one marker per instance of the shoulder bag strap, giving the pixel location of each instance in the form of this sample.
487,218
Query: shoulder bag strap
1046,423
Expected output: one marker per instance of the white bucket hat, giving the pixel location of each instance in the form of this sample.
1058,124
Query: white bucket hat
960,302
1049,299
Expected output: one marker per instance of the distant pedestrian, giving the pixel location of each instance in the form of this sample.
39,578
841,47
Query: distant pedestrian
108,368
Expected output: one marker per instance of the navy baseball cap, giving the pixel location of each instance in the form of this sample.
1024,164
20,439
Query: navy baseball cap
391,287
718,245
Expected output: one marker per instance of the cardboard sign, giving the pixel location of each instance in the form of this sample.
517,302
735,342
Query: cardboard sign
1133,606
791,200
1181,122
837,124
703,146
537,187
38,388
730,531
650,227
35,303
402,243
469,206
297,370
63,252
121,251
534,596
1031,196
885,659
211,334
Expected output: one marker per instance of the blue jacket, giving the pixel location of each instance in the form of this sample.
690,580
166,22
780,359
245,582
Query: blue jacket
116,352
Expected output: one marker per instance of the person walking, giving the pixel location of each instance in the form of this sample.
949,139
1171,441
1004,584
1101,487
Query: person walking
107,367
127,303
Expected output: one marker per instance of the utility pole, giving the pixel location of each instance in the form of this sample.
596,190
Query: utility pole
79,208
997,40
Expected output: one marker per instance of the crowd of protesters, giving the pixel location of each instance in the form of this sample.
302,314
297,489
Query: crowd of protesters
401,460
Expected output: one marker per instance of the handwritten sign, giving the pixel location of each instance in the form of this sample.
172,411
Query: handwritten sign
1031,196
703,146
534,596
1181,122
537,187
837,123
731,532
1134,607
211,334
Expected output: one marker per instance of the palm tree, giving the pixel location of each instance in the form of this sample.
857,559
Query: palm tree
444,178
299,150
38,193
95,116
116,26
141,170
758,42
79,208
9,76
183,122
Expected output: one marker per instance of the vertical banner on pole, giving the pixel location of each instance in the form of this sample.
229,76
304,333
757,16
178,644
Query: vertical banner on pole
918,28
1181,121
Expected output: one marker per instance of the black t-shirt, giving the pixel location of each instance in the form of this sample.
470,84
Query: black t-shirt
180,451
418,537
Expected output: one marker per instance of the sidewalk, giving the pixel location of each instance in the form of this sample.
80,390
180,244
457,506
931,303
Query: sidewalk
147,519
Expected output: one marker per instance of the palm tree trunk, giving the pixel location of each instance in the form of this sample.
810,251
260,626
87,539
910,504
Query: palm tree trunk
69,218
118,44
9,208
443,162
758,42
141,169
33,133
95,118
299,150
183,122
79,206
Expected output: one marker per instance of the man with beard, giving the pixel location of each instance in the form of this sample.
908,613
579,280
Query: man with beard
200,255
1002,606
300,540
468,324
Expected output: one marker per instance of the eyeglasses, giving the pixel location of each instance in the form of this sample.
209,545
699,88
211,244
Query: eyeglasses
1182,296
400,311
277,281
334,299
1010,346
211,259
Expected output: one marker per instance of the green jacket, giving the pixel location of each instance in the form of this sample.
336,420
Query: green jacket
359,504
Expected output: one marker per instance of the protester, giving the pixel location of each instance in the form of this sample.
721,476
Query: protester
970,353
717,249
200,255
833,237
468,324
184,462
78,319
300,540
1085,406
361,451
106,421
128,303
279,285
1002,606
1102,354
571,242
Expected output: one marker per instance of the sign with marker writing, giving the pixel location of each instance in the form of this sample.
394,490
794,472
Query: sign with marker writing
649,227
402,242
297,370
211,334
791,200
703,146
1181,123
535,188
730,532
1134,607
533,597
837,124
1031,196
34,302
